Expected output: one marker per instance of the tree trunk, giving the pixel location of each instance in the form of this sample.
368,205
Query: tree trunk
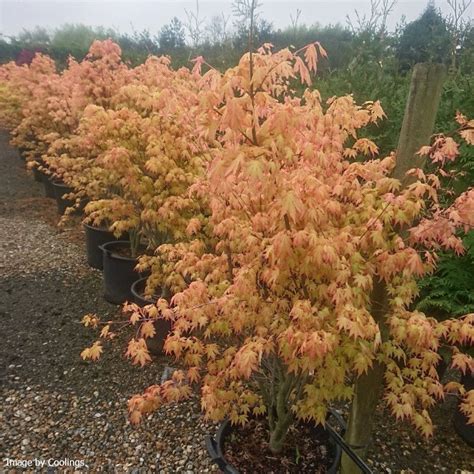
417,128
278,435
282,418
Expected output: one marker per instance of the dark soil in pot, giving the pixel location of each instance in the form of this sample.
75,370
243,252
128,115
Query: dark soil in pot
119,273
48,186
95,237
309,449
162,326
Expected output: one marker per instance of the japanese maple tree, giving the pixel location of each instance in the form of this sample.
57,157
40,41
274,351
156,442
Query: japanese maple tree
12,94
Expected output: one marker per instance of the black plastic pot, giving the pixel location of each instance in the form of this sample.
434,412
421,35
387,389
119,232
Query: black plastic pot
463,429
119,273
215,446
162,326
22,153
95,238
60,189
37,175
48,186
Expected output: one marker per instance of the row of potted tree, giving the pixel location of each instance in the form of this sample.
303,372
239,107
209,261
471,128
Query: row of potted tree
261,222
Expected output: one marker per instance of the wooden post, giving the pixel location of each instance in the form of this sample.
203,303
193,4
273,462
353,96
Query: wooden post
419,119
418,124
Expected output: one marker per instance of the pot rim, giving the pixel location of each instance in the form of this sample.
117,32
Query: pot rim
135,292
100,228
60,184
105,248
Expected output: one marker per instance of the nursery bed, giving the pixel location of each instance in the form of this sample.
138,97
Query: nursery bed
54,405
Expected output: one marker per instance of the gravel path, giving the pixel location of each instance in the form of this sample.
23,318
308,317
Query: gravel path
55,406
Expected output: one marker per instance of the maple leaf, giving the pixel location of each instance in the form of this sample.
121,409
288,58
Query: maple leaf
450,148
350,153
147,329
105,331
415,264
198,62
452,387
92,352
291,206
301,69
212,350
234,115
468,135
137,351
135,317
193,374
376,111
424,150
247,359
362,363
460,118
467,406
322,51
311,57
463,362
193,227
90,320
366,146
135,417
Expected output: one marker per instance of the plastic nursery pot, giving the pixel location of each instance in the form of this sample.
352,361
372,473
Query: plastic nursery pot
60,189
215,447
37,175
162,326
119,272
22,153
95,238
48,186
463,429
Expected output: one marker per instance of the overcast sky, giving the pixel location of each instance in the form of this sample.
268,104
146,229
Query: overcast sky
129,15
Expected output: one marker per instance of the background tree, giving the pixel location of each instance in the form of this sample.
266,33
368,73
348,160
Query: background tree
75,40
137,46
38,37
172,37
426,39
